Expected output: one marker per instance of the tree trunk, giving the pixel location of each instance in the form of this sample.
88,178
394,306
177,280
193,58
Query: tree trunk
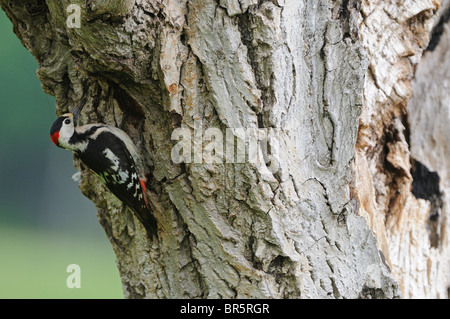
275,140
388,179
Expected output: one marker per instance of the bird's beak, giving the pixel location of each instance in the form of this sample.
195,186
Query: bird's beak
77,110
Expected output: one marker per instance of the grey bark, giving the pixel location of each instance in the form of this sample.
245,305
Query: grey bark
291,228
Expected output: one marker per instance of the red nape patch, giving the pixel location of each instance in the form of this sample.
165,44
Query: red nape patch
144,192
55,138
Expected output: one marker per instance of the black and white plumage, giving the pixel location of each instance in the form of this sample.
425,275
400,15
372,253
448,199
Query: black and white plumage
112,155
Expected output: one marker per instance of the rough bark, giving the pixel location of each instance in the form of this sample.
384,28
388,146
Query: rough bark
386,174
429,130
301,225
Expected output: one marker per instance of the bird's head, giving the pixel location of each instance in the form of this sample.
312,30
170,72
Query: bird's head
63,128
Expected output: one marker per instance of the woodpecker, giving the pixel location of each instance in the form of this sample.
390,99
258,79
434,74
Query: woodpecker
111,154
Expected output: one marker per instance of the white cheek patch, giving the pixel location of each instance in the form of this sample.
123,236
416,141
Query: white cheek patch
65,134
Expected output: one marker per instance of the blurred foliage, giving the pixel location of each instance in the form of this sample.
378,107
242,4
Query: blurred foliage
34,265
45,222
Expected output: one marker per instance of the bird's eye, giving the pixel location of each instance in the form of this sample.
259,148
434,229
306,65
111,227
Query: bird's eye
67,121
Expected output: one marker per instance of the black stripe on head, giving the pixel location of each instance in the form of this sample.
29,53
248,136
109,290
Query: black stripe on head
80,137
56,127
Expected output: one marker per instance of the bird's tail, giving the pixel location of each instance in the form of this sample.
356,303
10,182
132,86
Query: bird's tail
147,219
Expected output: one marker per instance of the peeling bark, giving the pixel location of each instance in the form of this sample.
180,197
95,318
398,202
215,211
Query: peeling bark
318,219
387,178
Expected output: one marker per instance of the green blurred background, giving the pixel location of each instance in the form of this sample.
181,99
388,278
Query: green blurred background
46,223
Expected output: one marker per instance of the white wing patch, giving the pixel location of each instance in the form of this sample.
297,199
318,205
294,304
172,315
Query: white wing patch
113,158
120,176
123,176
121,135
